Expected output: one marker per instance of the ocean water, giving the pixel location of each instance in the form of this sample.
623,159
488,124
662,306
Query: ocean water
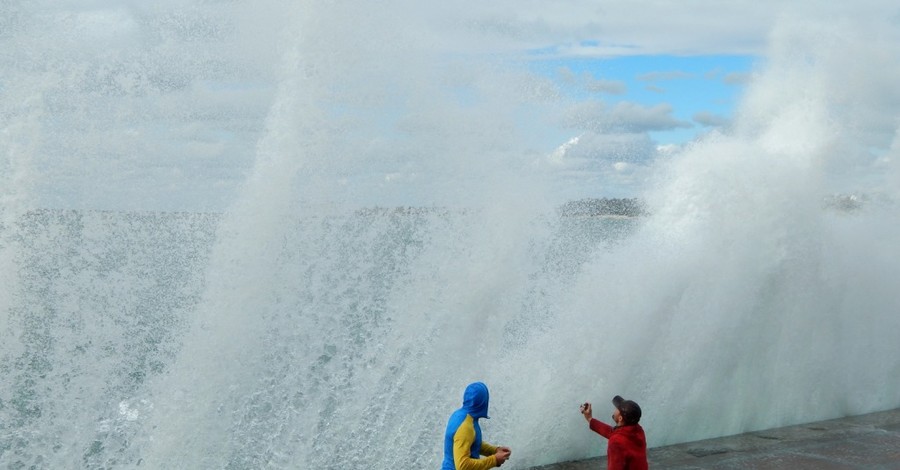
247,235
105,305
116,356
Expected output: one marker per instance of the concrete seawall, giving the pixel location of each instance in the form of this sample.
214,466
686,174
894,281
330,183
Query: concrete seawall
867,442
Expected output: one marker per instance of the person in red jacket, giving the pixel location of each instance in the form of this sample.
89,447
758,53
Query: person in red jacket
627,447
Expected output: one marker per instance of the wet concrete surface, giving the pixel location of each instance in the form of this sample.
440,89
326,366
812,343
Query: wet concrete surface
870,442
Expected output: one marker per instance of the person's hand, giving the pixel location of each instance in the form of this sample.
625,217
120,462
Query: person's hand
587,411
501,455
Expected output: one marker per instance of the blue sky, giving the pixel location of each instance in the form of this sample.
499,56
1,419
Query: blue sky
702,90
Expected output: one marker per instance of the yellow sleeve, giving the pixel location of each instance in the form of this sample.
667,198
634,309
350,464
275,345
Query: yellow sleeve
462,445
487,449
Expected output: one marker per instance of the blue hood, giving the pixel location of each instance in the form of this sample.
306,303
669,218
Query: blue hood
475,400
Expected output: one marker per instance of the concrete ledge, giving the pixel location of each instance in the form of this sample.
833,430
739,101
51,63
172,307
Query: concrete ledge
868,442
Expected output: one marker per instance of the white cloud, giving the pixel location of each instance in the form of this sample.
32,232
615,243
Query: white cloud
737,78
588,82
611,165
640,27
613,87
707,118
623,117
558,156
621,167
668,150
594,150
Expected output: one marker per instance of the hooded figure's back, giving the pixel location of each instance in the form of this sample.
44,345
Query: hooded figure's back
464,422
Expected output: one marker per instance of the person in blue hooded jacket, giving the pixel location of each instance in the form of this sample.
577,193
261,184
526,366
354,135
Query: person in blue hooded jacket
463,446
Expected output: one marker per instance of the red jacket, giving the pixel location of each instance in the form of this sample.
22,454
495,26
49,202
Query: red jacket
627,447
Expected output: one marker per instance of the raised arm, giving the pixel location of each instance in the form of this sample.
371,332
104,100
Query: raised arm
597,426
